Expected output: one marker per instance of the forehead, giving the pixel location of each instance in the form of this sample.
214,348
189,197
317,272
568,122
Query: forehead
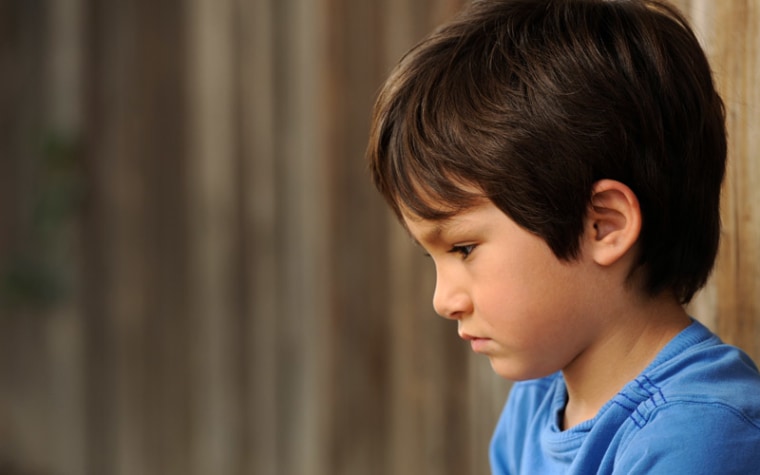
425,230
429,230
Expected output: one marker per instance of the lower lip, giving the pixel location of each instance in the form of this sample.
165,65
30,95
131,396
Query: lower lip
479,344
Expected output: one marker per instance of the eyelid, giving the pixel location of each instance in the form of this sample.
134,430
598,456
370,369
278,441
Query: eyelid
464,249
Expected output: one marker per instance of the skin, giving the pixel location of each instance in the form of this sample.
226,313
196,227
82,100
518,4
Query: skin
533,314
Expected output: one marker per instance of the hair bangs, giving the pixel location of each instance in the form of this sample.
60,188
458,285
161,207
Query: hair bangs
420,179
423,149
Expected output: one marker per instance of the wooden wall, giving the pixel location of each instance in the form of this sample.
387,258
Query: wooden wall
731,302
197,275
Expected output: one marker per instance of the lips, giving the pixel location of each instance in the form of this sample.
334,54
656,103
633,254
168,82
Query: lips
468,337
478,344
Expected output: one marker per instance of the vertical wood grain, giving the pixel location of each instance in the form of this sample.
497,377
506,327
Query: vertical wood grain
738,275
730,302
212,168
65,325
262,250
304,274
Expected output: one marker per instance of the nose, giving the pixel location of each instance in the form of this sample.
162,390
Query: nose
450,299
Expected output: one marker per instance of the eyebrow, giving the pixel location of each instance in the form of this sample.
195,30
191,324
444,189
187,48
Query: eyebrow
433,234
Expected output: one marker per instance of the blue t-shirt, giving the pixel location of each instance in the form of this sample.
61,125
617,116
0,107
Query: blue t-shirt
694,410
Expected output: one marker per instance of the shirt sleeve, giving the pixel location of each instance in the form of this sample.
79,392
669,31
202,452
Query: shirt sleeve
692,438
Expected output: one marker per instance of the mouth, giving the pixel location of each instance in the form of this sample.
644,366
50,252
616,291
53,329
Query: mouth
478,344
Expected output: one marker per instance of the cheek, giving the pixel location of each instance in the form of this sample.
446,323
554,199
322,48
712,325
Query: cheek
529,291
520,276
508,301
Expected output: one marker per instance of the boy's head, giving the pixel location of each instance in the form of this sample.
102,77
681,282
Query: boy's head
530,102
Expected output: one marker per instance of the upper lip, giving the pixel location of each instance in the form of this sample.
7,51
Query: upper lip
468,337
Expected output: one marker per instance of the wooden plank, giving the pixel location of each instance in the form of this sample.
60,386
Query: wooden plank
65,323
212,166
730,31
304,337
750,173
160,78
261,244
355,433
137,160
740,307
114,339
99,110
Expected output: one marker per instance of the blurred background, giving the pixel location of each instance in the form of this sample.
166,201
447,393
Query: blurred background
196,274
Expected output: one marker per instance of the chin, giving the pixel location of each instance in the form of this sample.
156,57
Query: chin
512,371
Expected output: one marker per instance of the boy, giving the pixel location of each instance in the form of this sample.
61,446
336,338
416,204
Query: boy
561,162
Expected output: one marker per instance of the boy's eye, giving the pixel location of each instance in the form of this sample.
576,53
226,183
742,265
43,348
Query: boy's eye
463,250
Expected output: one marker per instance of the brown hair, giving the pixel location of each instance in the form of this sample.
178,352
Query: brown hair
532,102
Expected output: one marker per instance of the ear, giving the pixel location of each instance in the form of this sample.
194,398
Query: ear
613,222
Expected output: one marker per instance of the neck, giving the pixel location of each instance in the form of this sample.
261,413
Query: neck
626,345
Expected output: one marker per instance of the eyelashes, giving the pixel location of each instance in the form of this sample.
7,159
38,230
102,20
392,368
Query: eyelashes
464,251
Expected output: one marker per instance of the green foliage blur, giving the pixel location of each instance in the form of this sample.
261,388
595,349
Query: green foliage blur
37,273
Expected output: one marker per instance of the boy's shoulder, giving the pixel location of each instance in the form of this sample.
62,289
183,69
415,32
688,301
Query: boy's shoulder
697,367
698,375
690,436
695,409
696,413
